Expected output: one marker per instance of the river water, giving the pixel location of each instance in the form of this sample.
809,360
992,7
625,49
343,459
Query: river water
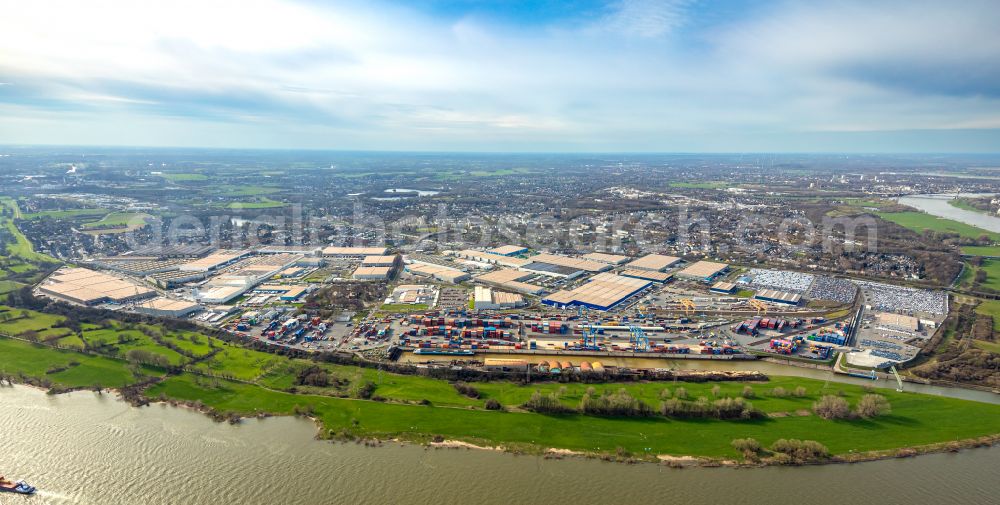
82,448
937,205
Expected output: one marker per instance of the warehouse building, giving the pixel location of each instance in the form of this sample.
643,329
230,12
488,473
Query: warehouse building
372,274
655,262
512,280
83,286
490,299
566,261
703,271
441,273
381,260
723,288
217,294
506,365
604,291
166,307
410,294
650,275
775,296
897,322
611,259
353,252
508,250
213,261
494,259
551,270
305,250
285,292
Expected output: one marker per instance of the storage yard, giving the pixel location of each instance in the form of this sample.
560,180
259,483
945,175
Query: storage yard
509,299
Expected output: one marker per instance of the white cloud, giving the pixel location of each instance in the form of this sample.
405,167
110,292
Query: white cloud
366,75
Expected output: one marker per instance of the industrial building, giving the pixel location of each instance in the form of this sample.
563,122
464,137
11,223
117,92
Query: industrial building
305,250
413,294
703,271
441,273
285,292
551,270
166,307
611,259
214,261
655,262
488,258
512,280
372,273
566,261
650,275
89,287
775,296
491,299
897,322
603,292
353,252
140,267
508,250
381,260
506,365
723,288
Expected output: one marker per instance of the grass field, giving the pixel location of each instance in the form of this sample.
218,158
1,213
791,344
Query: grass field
234,191
260,203
118,220
919,222
986,251
66,214
916,420
21,247
184,177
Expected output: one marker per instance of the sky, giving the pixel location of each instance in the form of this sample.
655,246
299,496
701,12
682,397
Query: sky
515,75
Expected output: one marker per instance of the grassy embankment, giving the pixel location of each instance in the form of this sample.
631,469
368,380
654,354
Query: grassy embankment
919,222
420,408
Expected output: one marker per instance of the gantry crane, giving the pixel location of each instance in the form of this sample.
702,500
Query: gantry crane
759,305
638,339
688,306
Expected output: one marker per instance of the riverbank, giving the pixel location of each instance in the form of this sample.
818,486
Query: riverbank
351,403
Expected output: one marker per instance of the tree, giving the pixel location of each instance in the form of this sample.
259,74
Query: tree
873,406
832,407
747,392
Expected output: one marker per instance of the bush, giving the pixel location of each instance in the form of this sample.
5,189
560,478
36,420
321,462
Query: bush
801,450
466,389
716,390
747,392
681,394
747,446
492,404
779,392
616,404
362,390
546,404
724,408
872,405
832,407
664,394
799,392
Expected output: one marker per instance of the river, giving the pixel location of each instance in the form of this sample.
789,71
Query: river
82,448
937,205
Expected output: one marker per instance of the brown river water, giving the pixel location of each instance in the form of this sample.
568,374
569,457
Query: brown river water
82,448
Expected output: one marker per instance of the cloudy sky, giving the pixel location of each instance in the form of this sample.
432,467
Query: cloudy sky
469,75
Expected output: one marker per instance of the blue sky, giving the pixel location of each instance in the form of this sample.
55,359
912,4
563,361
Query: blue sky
469,75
